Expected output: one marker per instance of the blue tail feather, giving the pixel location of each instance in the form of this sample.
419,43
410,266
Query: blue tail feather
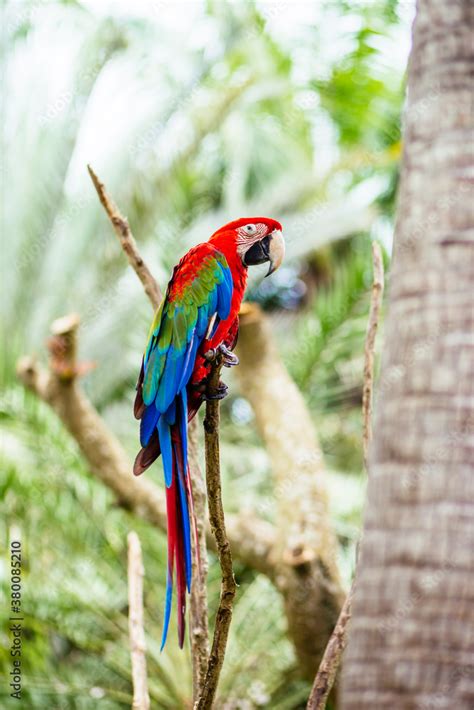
183,501
172,427
169,598
164,434
170,414
183,428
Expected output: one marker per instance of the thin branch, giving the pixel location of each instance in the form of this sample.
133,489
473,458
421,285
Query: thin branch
330,662
127,242
199,631
216,517
375,306
141,699
329,665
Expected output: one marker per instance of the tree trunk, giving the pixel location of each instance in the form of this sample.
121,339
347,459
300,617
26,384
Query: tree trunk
305,548
411,642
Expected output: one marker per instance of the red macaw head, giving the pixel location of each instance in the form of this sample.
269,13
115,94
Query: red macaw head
255,240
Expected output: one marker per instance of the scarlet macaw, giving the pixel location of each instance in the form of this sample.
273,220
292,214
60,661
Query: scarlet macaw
198,317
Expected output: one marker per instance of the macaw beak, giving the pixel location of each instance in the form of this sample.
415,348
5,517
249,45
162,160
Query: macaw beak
271,248
276,251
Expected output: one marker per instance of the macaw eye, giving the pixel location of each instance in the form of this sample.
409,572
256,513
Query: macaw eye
250,229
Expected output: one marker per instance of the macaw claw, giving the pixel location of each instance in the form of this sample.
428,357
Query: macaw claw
229,359
220,393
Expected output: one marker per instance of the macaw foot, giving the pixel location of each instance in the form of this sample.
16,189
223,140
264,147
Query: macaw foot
229,359
220,393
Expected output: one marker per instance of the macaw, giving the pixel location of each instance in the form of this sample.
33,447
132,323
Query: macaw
197,319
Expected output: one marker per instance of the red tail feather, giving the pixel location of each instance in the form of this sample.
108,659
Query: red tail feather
181,591
189,493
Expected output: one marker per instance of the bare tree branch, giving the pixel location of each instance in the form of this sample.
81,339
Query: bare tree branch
329,665
330,662
141,699
127,242
216,517
369,350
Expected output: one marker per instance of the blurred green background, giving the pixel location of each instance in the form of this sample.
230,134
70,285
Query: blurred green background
193,114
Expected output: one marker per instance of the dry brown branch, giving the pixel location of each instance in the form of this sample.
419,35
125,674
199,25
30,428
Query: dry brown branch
216,517
141,699
252,540
127,242
329,665
199,632
305,552
369,350
330,662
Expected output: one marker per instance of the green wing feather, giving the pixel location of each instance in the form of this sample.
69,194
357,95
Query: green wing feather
200,287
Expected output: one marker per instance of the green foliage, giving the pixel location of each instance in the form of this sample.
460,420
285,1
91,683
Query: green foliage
332,306
374,115
325,354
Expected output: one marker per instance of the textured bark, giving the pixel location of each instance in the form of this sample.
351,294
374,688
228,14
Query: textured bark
411,642
305,552
329,665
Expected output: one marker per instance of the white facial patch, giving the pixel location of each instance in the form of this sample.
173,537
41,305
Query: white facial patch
248,235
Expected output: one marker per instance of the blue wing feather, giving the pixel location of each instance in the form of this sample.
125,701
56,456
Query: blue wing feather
148,423
164,435
167,387
189,362
168,368
224,299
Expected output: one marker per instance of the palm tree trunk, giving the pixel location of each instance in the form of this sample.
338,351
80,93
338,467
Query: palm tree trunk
411,643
